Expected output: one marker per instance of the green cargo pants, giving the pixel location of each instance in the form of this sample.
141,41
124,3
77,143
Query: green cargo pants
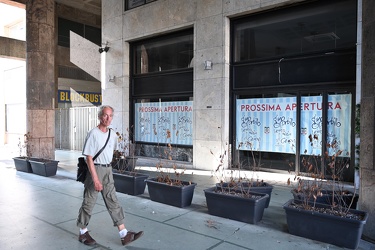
109,195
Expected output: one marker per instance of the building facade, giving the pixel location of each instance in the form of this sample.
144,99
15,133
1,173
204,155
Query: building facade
273,81
250,78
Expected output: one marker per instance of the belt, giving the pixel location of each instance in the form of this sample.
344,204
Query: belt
102,165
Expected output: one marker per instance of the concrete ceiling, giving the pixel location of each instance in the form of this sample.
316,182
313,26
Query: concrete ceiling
92,6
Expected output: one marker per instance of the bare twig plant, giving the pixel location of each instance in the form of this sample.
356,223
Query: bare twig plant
125,152
168,171
233,180
318,184
25,146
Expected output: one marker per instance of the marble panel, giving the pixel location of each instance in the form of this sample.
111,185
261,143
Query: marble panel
46,38
118,121
207,122
112,9
367,196
155,18
209,94
85,55
32,35
36,64
112,29
358,82
126,52
235,6
36,121
50,123
113,97
37,11
207,154
209,8
209,32
367,132
216,56
368,7
115,53
47,148
114,72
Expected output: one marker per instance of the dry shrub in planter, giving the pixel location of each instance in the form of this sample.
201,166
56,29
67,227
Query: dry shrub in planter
22,161
333,222
127,180
234,198
168,187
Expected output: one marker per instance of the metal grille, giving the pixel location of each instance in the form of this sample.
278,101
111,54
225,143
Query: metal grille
72,125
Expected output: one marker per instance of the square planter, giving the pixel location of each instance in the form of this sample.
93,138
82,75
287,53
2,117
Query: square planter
22,164
236,207
130,182
44,167
178,196
261,187
332,229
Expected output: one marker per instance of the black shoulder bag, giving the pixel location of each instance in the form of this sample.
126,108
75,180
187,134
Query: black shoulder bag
82,165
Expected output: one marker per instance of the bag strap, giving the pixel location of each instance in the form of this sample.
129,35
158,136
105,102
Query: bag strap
97,154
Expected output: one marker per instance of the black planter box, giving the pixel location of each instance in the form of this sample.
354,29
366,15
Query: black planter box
336,230
257,187
326,198
178,196
22,164
44,167
234,207
130,183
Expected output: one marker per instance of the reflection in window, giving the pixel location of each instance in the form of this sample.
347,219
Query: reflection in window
131,4
164,53
312,28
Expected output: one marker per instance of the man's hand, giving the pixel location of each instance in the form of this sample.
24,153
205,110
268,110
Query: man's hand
98,185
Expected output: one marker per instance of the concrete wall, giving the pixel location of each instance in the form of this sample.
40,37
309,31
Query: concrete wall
12,48
367,162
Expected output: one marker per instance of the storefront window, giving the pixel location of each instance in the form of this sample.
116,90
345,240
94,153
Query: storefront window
319,27
131,4
266,131
163,128
164,122
293,77
162,96
170,52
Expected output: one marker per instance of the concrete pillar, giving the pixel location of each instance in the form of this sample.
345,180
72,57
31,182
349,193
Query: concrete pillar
40,76
367,159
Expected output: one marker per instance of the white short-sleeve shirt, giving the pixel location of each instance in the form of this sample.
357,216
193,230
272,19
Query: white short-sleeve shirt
95,140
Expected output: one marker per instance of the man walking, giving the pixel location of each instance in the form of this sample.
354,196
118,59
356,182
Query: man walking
100,179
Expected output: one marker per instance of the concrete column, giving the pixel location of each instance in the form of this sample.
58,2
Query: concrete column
211,87
367,159
40,76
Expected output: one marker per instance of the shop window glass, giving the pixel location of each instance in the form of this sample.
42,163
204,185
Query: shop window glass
171,52
92,34
308,28
267,132
266,128
317,148
131,4
164,121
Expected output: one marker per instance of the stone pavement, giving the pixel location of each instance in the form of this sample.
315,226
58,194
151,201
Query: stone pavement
39,213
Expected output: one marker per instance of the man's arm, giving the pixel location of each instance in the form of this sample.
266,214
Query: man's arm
97,184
